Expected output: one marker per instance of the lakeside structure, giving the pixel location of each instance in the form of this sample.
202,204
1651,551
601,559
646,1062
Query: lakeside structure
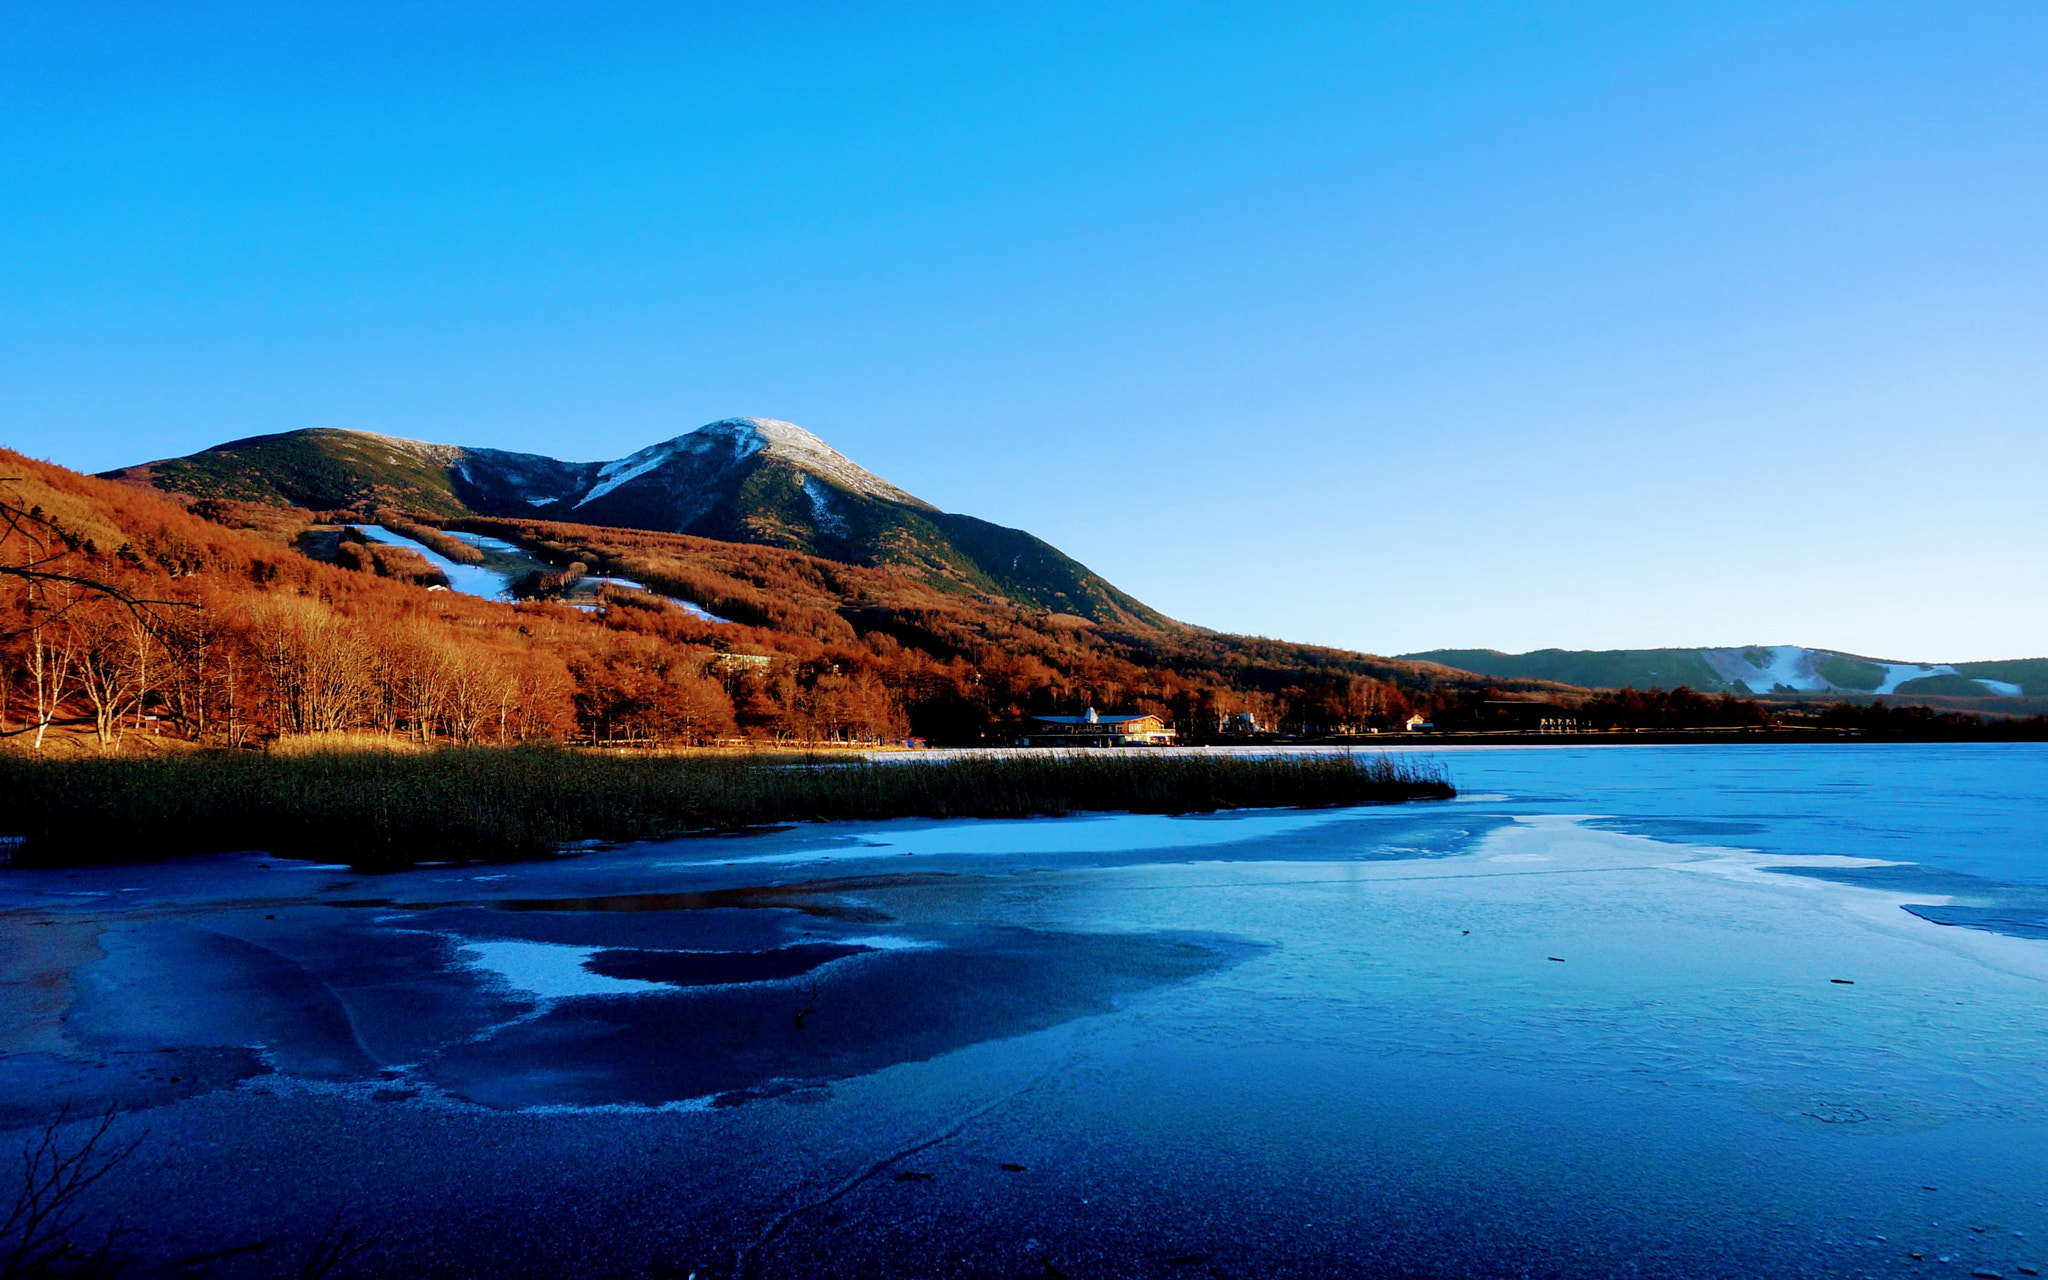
1091,729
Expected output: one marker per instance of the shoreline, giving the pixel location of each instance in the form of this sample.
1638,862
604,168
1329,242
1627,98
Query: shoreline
1414,744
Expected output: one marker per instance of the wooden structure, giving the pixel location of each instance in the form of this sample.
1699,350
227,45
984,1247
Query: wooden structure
1094,730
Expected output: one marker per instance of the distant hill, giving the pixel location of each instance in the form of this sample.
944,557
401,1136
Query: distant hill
1755,669
749,480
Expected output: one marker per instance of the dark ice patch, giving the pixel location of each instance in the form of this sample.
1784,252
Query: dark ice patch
802,898
2014,923
1907,877
402,990
165,983
818,898
36,1086
1682,830
2017,910
718,968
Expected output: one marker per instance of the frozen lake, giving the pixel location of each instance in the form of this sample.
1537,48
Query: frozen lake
1655,1011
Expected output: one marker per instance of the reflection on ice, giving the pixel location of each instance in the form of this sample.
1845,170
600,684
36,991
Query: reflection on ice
562,971
551,971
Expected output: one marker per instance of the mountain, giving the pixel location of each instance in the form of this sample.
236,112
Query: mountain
751,480
264,621
1755,669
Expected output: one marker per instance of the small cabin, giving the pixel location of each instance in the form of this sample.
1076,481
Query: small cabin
1091,729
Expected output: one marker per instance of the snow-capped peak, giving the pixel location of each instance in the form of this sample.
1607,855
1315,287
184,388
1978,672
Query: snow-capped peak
793,444
733,440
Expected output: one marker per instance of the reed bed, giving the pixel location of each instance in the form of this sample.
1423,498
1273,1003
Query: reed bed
379,810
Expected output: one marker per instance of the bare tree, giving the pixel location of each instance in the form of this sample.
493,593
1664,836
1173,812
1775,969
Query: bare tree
38,1238
113,669
52,659
197,671
318,663
474,681
36,555
35,550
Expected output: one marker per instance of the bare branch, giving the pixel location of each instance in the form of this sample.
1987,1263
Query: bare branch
36,1238
50,545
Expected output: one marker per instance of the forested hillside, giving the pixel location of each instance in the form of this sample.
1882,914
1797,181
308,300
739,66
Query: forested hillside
125,615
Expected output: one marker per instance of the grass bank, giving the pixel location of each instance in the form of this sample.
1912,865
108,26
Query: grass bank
382,810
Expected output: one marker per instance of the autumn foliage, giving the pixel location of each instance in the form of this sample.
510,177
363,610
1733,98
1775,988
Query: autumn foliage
127,615
166,625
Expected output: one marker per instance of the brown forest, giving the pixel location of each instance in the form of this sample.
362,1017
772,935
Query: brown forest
125,613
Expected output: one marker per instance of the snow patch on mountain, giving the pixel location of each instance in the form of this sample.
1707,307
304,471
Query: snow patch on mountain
630,468
823,516
1775,668
1897,673
743,436
1763,668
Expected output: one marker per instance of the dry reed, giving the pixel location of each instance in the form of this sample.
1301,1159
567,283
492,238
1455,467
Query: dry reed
380,809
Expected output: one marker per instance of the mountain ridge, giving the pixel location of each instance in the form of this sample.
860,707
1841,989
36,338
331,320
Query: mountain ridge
752,480
1754,670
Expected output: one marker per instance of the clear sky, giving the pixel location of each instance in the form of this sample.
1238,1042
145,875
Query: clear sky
1386,327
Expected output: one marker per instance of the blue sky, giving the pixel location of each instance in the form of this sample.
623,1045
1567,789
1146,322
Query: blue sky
1385,327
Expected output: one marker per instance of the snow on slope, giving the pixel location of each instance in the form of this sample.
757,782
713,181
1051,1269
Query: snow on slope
1897,673
1763,668
822,515
634,465
469,579
1768,668
438,454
